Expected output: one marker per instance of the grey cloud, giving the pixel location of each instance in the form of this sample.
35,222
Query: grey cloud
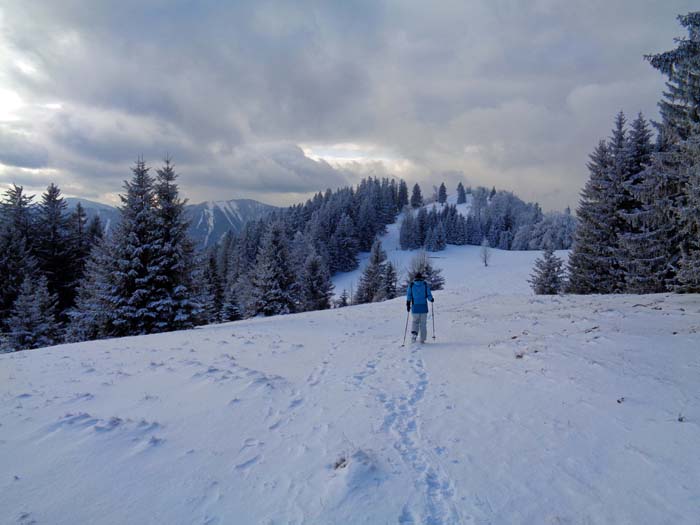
499,90
19,150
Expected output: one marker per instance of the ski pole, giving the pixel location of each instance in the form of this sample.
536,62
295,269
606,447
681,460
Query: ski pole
432,307
408,314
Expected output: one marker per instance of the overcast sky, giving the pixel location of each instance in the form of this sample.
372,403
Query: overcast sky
273,100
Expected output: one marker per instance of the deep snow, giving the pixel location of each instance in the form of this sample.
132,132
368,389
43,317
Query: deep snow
524,410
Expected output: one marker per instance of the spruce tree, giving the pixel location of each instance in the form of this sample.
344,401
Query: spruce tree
54,248
370,286
315,287
442,194
680,112
90,317
133,285
344,245
272,279
407,231
402,197
389,282
16,258
461,194
95,231
343,300
173,262
416,197
593,256
548,275
33,321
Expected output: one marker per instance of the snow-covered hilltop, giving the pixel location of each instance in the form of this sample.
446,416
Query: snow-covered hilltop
523,410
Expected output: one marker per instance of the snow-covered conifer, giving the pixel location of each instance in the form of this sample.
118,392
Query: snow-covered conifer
272,279
33,323
461,194
315,288
416,197
548,276
442,194
402,198
372,277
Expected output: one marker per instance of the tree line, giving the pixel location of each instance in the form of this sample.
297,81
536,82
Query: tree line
499,217
639,215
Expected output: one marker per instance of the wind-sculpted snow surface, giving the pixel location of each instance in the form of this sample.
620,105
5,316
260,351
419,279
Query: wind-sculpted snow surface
525,410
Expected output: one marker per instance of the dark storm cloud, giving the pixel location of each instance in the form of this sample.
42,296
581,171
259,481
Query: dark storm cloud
498,92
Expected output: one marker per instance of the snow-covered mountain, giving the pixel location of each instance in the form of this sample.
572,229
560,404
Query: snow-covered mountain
523,409
212,219
209,220
109,215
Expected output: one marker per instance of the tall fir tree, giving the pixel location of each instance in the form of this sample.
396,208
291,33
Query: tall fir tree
416,197
442,194
53,246
16,258
133,285
370,286
33,321
592,257
680,112
272,279
461,194
402,197
344,245
315,286
173,301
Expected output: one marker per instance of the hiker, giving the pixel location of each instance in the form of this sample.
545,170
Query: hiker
417,296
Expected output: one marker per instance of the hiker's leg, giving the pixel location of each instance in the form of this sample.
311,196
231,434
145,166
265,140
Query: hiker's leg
415,326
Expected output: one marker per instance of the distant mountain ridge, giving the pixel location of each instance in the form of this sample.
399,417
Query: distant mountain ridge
209,220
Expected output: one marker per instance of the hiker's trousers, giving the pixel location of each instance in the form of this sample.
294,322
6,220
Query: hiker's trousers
420,322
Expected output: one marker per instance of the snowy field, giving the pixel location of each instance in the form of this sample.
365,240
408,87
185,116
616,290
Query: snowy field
524,409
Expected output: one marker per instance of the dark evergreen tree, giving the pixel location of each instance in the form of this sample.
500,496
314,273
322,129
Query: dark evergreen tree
548,275
680,112
370,287
407,231
416,197
315,287
343,300
402,197
173,302
16,259
272,278
344,246
593,255
461,194
33,321
95,231
442,194
90,317
53,246
389,282
134,247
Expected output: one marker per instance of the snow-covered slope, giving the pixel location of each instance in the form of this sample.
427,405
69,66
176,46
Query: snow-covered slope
523,409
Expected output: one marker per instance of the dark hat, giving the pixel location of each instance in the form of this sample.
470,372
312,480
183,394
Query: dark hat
419,276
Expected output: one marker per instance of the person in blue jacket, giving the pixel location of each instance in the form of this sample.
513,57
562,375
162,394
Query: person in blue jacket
417,296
